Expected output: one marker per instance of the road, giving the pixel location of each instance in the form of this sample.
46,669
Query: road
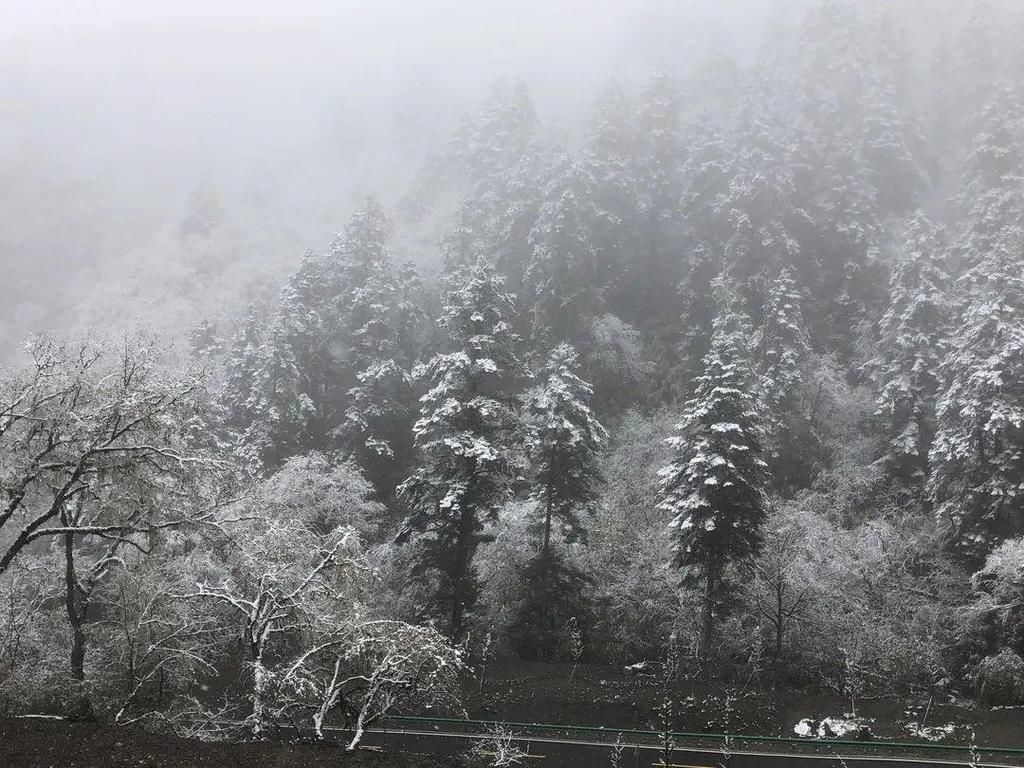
569,753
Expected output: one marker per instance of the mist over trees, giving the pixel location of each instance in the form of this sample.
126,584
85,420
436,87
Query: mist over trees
729,366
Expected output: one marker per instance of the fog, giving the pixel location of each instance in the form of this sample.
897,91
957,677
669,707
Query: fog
114,113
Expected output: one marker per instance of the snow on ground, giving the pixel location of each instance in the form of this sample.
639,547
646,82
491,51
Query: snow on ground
931,732
833,727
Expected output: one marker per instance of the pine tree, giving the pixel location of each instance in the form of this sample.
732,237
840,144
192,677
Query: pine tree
467,434
565,280
290,401
379,323
837,192
650,298
564,445
780,349
204,341
891,145
758,210
781,346
610,161
706,173
715,487
977,458
240,370
992,181
911,345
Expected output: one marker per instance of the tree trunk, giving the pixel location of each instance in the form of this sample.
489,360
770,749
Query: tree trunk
778,623
547,518
707,628
259,692
76,605
459,572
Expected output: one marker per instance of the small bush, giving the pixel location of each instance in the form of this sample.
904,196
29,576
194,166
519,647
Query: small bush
1001,679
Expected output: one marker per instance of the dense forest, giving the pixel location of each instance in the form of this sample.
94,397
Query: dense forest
735,381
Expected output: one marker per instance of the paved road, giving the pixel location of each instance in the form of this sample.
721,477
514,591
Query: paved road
566,753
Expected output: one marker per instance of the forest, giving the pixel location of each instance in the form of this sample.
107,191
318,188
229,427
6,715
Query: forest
731,388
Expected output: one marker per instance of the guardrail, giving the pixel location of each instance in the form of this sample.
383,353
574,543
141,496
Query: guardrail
904,746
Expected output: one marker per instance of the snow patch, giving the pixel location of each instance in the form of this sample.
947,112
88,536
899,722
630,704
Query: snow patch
931,732
833,727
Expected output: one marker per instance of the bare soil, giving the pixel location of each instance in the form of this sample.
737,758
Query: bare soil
45,743
534,692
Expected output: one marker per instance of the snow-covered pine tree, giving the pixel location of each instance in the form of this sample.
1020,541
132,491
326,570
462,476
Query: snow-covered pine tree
565,444
610,160
837,193
891,144
780,349
780,345
912,341
977,457
289,405
379,322
715,487
565,280
992,181
240,367
705,174
758,210
651,298
468,434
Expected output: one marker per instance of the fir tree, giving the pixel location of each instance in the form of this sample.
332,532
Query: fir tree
715,487
977,458
780,348
379,324
706,173
290,400
781,345
467,434
911,345
564,445
564,281
992,181
240,370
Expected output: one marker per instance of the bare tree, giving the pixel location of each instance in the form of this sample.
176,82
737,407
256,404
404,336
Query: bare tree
500,748
94,453
369,667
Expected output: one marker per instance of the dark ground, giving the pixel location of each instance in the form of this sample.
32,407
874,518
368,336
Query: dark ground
513,691
36,743
532,692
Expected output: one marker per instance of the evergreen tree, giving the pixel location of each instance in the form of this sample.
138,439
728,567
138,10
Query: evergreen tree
715,487
565,280
891,146
992,181
651,298
781,345
204,341
467,434
911,345
758,211
706,173
240,370
780,348
379,324
288,407
977,458
610,161
564,445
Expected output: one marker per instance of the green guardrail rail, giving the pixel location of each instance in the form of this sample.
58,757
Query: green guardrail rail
735,737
